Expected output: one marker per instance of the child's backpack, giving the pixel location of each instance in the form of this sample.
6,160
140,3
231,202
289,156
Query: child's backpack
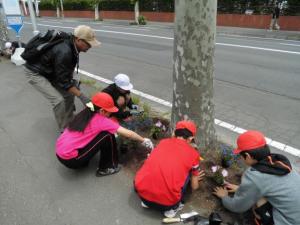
41,43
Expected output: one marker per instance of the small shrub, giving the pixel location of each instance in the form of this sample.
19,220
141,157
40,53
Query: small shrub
142,20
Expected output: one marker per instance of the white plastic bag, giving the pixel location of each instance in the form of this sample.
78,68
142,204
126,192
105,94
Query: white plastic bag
16,57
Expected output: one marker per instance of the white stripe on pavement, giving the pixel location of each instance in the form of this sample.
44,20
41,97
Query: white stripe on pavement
258,48
283,147
170,38
254,37
289,44
111,31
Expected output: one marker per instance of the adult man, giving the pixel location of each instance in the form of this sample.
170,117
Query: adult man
120,92
275,17
52,74
270,184
162,180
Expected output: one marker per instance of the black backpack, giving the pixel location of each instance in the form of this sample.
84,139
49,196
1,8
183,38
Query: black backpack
40,43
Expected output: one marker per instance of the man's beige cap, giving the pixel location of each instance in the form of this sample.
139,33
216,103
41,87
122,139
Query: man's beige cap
86,33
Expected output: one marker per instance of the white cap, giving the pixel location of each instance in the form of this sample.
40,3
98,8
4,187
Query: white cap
123,82
7,45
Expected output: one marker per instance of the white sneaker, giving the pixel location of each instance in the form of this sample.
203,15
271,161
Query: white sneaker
172,212
143,205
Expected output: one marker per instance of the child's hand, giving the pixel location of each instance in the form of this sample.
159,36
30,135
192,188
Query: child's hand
148,143
231,188
220,192
201,175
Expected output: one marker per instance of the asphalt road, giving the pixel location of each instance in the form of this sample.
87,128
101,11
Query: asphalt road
256,80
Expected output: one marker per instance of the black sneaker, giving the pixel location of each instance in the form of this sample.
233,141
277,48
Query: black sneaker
107,171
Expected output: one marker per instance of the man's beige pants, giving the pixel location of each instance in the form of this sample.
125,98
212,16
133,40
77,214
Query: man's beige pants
62,101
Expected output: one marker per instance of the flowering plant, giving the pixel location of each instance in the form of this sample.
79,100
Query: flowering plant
219,174
158,129
227,156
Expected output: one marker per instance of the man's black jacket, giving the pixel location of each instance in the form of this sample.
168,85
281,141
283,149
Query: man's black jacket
58,64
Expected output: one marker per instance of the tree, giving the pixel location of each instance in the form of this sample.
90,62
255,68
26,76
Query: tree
56,3
3,31
136,10
96,7
194,45
292,7
62,8
36,4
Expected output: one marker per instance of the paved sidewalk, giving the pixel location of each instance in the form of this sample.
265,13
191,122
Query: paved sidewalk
35,189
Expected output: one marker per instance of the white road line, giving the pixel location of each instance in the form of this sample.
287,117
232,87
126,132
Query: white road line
124,27
289,44
283,147
170,38
51,21
113,32
258,48
127,28
253,37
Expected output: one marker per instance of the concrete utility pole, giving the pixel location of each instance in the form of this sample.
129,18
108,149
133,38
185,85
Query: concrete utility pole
194,46
3,28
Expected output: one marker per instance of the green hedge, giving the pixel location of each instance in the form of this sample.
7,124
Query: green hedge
68,4
113,5
291,7
158,5
46,5
78,4
116,5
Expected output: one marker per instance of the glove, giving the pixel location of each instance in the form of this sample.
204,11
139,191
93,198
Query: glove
84,99
135,107
135,112
148,143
